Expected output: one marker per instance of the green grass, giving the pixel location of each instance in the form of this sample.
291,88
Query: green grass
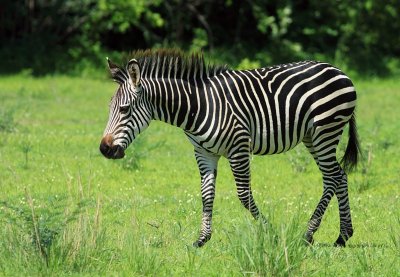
66,210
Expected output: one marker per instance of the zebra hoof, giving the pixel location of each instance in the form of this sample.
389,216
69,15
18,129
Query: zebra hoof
309,239
309,242
201,241
340,242
198,244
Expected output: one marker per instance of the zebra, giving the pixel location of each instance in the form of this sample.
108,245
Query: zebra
236,114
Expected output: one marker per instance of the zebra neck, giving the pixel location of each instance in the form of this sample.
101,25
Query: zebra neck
176,101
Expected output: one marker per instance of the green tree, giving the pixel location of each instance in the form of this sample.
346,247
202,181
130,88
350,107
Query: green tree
61,35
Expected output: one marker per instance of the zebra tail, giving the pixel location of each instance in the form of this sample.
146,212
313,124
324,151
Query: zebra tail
353,150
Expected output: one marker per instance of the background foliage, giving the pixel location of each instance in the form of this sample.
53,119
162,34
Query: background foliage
73,35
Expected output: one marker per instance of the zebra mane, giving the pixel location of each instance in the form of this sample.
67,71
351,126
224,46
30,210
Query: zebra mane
174,63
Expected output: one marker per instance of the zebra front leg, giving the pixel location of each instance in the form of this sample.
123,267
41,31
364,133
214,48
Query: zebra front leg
346,227
240,166
207,164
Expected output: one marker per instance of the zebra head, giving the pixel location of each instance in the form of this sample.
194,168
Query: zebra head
128,114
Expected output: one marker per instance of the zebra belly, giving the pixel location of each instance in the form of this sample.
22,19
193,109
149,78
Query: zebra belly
275,141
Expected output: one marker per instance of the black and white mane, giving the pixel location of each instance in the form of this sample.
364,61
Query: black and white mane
174,63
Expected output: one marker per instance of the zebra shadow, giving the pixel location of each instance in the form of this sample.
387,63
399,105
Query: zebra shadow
362,245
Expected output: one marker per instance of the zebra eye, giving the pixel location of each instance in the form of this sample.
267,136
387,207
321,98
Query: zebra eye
124,109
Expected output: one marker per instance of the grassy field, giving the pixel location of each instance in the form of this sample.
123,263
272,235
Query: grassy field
66,210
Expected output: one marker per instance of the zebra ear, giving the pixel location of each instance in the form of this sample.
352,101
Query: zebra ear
134,72
114,69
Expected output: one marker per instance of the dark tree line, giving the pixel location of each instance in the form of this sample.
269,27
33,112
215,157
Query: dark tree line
48,35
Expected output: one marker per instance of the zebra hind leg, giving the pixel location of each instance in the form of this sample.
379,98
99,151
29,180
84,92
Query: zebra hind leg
346,227
207,164
322,145
330,185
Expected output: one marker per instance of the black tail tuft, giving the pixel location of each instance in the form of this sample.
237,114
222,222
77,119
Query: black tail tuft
353,150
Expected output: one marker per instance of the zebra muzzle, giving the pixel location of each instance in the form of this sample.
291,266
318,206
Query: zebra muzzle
109,150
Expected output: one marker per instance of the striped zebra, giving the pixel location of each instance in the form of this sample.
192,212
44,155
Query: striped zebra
237,113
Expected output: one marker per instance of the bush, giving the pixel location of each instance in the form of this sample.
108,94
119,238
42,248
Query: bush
358,33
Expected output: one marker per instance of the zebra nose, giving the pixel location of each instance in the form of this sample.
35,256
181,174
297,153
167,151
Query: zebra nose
106,145
109,150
